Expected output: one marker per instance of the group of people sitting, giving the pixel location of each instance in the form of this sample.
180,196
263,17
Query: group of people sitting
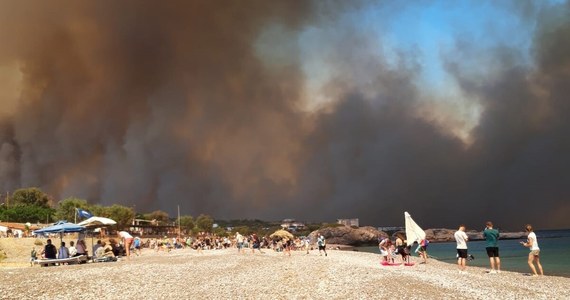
50,251
102,251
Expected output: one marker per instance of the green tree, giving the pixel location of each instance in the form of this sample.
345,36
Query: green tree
27,213
66,209
187,223
123,215
158,215
98,210
204,223
30,196
219,231
243,230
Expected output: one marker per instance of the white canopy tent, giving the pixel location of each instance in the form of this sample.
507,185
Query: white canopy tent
97,222
94,225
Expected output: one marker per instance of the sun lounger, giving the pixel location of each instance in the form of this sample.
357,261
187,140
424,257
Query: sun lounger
104,259
74,259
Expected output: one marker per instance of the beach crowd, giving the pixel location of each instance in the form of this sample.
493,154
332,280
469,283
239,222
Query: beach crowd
393,252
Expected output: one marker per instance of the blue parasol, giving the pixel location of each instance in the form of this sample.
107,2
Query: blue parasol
60,227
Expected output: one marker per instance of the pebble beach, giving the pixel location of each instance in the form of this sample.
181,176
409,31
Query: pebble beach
226,274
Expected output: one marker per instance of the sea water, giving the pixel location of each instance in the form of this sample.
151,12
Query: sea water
554,253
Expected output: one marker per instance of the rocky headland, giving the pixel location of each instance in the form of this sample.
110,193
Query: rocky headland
345,235
368,235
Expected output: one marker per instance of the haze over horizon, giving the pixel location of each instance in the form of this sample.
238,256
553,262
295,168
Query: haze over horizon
457,112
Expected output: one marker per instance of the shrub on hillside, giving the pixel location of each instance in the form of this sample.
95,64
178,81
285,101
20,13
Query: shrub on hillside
38,242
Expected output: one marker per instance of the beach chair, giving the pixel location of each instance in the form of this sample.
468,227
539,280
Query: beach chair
60,261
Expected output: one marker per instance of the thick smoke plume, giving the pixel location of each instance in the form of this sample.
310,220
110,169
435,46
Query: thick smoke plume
157,104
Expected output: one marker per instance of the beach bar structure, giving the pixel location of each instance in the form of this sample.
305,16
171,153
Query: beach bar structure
151,228
349,222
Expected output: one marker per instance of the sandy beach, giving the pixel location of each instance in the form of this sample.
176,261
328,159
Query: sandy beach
222,274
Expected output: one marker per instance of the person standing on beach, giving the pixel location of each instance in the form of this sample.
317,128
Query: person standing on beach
256,243
137,244
322,243
239,241
422,250
534,255
491,236
384,246
461,240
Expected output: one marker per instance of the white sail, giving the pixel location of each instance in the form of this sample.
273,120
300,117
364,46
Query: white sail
414,233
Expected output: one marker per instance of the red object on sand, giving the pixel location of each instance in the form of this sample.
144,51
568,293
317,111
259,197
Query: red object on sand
385,263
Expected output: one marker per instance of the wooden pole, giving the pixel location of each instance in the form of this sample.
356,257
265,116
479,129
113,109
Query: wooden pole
178,221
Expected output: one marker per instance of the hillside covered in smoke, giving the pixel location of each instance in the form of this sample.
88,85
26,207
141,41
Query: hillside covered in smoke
274,109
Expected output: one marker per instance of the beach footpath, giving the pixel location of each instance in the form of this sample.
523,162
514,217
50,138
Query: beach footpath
225,274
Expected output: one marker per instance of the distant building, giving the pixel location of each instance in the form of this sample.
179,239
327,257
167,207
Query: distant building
292,225
348,222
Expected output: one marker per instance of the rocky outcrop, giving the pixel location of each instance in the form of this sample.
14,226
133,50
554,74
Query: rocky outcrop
446,235
344,235
440,235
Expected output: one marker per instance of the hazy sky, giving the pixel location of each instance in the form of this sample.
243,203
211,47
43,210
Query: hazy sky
456,111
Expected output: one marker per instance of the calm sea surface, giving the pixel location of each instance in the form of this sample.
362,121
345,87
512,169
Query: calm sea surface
554,253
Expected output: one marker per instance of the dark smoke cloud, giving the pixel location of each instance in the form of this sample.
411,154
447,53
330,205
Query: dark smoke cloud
155,105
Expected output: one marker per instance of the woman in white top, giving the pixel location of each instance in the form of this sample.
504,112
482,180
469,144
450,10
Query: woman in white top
534,255
127,242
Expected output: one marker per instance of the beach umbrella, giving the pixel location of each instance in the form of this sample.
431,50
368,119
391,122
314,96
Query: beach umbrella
281,233
60,227
97,222
414,233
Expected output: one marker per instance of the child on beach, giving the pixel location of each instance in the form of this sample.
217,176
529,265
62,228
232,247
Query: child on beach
392,252
384,246
33,256
137,245
422,250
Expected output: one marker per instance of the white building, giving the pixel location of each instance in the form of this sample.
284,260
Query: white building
348,222
292,225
